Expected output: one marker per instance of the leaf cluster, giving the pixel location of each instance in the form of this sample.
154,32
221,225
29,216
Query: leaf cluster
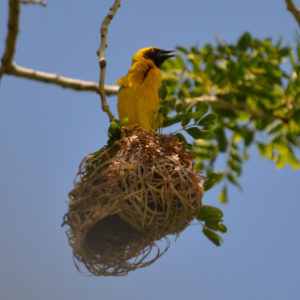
115,131
222,99
226,97
211,219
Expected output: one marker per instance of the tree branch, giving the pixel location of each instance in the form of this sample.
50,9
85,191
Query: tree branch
217,103
40,2
11,38
102,60
291,6
65,82
10,68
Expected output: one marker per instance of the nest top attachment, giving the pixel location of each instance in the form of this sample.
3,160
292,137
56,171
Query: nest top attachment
128,197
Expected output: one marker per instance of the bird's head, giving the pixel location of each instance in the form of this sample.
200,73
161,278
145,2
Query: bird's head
158,56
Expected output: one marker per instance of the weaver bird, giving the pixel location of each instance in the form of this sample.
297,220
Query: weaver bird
138,96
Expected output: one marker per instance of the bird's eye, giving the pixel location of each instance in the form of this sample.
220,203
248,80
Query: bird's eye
153,50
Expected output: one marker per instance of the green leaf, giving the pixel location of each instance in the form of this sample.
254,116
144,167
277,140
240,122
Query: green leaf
182,139
235,155
162,91
298,50
114,131
207,134
180,107
171,103
208,212
221,138
223,198
183,93
182,49
233,179
179,63
296,116
248,137
274,72
124,121
185,120
172,120
189,107
202,153
212,179
212,236
187,83
216,226
286,155
202,108
245,41
207,120
266,150
113,126
194,132
261,124
196,115
207,49
204,144
246,154
222,228
235,166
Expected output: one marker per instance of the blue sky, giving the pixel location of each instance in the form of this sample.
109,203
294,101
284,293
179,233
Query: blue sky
45,131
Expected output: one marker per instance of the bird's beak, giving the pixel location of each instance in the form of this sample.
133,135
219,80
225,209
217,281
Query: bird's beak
158,56
164,54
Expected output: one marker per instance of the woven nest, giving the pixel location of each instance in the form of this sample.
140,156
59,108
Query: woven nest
128,197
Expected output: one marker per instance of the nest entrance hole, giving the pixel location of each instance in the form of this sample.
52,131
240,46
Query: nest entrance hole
110,234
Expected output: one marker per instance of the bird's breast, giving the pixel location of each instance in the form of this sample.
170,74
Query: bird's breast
139,96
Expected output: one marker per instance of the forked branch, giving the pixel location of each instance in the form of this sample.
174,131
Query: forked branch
218,103
9,67
11,37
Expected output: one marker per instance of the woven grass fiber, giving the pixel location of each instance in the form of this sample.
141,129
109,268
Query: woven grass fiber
127,199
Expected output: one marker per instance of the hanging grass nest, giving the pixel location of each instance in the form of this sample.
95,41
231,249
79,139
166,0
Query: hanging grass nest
128,197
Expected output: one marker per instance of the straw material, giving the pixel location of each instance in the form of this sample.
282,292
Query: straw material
128,197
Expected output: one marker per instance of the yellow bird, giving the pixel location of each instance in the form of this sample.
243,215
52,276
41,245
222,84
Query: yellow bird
138,95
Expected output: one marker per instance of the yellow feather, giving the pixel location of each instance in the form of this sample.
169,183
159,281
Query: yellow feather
138,95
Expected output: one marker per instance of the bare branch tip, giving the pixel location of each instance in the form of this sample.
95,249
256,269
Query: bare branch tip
102,61
293,9
40,2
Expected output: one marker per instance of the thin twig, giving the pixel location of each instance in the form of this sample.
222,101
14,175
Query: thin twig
291,6
65,82
11,38
217,103
40,2
102,60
